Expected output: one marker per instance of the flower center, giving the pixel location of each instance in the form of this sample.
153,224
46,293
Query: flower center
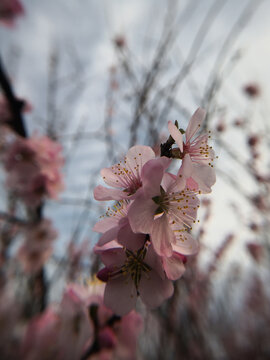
160,200
179,206
135,265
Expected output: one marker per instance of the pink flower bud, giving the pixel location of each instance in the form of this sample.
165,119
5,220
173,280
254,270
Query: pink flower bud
103,274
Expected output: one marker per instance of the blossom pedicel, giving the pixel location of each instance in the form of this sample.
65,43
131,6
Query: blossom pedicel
146,235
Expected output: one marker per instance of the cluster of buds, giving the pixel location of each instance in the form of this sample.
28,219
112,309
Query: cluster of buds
146,235
33,169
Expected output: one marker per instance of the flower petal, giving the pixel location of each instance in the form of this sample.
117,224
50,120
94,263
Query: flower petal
139,155
101,193
141,215
192,184
129,239
152,175
195,123
105,224
108,236
162,236
205,177
172,183
167,181
186,167
108,246
154,261
112,257
120,295
154,290
185,244
173,266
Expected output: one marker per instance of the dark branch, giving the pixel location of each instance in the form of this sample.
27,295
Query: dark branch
15,105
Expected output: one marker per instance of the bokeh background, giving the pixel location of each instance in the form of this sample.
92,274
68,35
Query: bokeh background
104,75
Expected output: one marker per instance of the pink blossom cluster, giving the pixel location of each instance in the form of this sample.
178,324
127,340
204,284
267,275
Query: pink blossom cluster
33,169
37,246
9,10
81,327
146,237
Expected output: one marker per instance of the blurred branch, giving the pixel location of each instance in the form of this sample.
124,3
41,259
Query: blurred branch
215,79
191,57
15,105
166,40
12,219
52,93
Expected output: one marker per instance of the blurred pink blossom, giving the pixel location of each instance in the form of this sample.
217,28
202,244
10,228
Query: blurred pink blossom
50,160
116,337
33,169
40,340
38,245
252,90
120,41
255,251
59,333
76,328
9,10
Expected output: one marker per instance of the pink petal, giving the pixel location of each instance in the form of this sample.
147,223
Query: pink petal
105,224
173,267
154,261
139,155
172,183
192,184
120,295
176,135
152,175
185,244
108,246
186,168
141,215
167,181
104,274
129,239
111,177
154,290
162,236
101,193
113,257
108,236
195,123
127,334
205,177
